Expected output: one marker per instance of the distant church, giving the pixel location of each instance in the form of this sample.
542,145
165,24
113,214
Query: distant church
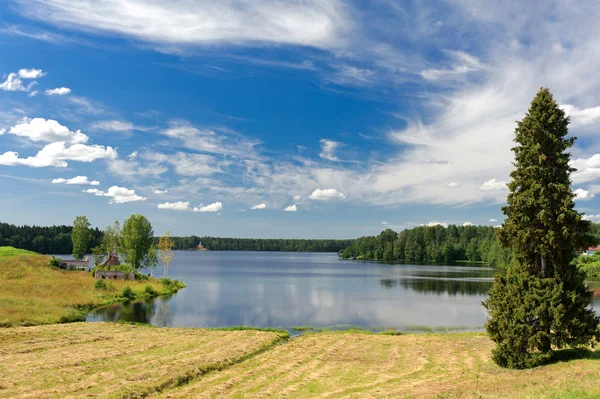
201,247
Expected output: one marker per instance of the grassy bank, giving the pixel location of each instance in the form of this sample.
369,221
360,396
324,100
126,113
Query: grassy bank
115,360
132,361
12,251
34,293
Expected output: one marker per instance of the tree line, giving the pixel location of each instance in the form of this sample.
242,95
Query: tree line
261,244
425,244
45,239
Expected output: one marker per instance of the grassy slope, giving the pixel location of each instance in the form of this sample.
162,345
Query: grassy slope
33,293
377,366
12,251
114,360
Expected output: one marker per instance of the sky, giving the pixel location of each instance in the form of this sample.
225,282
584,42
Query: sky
284,119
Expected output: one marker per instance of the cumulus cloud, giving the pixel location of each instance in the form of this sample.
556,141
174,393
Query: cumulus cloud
56,154
592,218
585,116
326,194
176,206
306,23
118,195
76,180
133,155
14,83
158,191
59,91
47,130
435,223
467,224
297,197
31,73
214,207
588,169
492,220
259,206
384,223
328,148
493,185
291,208
583,195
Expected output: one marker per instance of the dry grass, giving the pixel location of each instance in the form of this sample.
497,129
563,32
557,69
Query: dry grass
33,293
378,366
114,360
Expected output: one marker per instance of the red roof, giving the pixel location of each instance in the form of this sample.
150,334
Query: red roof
596,248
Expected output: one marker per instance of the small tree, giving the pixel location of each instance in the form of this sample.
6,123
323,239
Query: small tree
136,240
542,302
80,235
165,256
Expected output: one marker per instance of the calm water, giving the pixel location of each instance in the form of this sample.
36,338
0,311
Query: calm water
289,289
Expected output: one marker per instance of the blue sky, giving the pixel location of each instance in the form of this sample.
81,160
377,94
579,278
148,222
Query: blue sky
274,118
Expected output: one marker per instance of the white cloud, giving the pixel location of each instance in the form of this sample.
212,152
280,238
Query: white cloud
259,206
453,184
33,93
492,220
56,154
493,185
2,131
176,206
306,23
435,223
59,91
464,64
13,83
133,155
586,116
291,208
47,130
592,218
114,125
297,197
588,169
119,195
214,207
76,180
384,222
328,148
583,195
467,224
326,194
31,73
157,191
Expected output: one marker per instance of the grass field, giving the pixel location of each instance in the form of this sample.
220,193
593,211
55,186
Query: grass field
132,361
114,360
32,293
344,365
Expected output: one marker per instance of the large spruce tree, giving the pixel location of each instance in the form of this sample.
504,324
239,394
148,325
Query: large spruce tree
542,303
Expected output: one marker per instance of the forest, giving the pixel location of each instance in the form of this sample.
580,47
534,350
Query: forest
261,244
44,239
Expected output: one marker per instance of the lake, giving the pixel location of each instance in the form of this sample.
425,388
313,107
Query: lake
283,289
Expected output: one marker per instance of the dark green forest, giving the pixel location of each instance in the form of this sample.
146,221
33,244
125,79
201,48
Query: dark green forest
44,239
424,244
262,244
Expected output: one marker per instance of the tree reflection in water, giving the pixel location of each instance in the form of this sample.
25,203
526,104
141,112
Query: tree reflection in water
156,311
440,286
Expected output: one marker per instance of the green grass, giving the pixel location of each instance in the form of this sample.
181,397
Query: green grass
12,251
34,293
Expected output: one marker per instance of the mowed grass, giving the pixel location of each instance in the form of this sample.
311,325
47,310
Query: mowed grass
346,365
115,360
33,293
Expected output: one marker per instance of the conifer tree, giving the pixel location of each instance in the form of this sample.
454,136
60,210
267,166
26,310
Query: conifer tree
542,303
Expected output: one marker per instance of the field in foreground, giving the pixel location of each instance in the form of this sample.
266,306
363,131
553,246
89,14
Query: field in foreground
116,360
33,293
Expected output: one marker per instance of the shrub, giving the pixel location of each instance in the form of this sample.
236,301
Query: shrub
128,293
150,291
100,284
58,263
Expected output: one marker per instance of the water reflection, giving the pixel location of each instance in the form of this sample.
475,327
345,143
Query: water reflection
287,289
